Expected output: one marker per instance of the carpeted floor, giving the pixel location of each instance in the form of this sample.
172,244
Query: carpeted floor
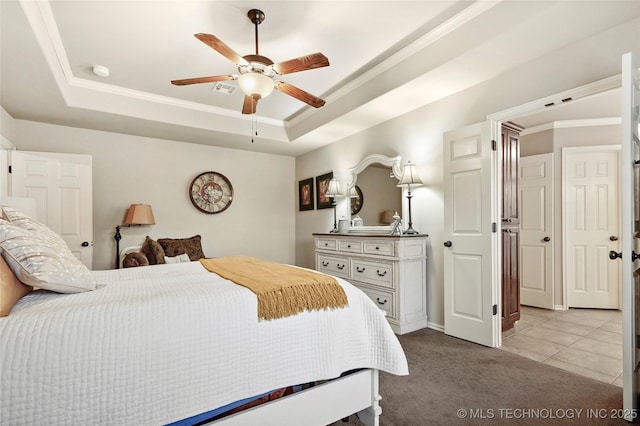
455,382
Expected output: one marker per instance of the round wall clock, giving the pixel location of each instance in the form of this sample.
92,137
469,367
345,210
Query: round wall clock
211,192
356,202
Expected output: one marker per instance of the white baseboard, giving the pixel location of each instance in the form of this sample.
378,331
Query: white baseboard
437,327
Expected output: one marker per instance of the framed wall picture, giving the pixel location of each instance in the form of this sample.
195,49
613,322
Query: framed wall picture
322,185
305,194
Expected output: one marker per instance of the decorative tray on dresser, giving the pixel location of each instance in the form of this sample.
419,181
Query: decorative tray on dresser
390,269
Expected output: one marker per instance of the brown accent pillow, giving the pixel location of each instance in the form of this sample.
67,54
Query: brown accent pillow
152,251
11,289
177,246
131,260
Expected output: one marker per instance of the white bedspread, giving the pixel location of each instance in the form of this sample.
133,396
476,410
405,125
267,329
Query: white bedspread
160,343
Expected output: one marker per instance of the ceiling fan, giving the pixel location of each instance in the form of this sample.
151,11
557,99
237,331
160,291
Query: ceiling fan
257,73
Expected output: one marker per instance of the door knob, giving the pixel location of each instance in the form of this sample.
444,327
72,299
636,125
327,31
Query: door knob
85,244
613,238
613,255
448,244
546,239
634,256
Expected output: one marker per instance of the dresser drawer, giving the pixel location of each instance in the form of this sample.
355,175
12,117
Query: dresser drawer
376,273
382,248
333,265
382,299
351,246
327,244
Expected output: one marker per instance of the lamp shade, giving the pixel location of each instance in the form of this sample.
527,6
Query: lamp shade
409,175
139,214
256,85
334,188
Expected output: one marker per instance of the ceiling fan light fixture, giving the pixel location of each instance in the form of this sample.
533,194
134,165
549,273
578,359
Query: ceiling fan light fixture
256,85
257,72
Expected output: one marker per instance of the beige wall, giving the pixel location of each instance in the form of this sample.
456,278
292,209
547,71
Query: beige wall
536,143
130,169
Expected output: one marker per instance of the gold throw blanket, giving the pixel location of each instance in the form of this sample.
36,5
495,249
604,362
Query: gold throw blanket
282,290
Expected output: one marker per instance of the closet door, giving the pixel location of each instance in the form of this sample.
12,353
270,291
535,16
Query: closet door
510,172
510,226
510,277
62,186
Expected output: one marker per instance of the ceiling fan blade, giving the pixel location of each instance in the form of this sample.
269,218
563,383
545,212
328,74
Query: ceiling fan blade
198,80
299,94
216,44
303,63
249,105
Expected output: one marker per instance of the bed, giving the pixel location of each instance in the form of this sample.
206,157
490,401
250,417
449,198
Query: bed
170,343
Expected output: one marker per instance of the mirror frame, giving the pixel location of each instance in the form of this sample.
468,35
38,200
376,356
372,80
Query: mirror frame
394,163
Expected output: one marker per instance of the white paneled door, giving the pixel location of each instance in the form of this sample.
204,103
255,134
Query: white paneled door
471,261
591,205
62,186
630,253
536,230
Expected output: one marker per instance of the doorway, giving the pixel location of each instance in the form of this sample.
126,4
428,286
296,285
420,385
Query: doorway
584,341
547,130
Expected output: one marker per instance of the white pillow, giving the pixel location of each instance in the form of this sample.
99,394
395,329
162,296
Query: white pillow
24,221
40,258
184,257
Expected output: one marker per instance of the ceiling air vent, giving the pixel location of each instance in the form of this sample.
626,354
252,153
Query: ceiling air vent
224,88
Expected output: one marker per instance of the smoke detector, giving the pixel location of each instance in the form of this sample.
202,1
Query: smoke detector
101,71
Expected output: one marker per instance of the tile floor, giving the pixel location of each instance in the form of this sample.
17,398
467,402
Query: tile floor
584,341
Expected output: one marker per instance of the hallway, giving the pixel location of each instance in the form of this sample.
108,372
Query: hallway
584,341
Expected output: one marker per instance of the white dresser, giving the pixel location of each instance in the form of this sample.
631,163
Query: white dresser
390,269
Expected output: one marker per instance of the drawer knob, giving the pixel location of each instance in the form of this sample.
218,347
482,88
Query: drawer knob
340,266
381,302
381,274
377,248
348,245
448,244
325,263
360,270
326,244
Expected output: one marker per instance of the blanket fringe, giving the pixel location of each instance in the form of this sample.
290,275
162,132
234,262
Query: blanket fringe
282,290
292,300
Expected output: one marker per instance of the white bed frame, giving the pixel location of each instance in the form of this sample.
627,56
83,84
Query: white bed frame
320,405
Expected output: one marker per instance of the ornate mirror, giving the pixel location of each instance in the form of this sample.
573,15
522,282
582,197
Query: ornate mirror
374,186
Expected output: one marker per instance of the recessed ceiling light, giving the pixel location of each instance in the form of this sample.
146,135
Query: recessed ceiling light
101,71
